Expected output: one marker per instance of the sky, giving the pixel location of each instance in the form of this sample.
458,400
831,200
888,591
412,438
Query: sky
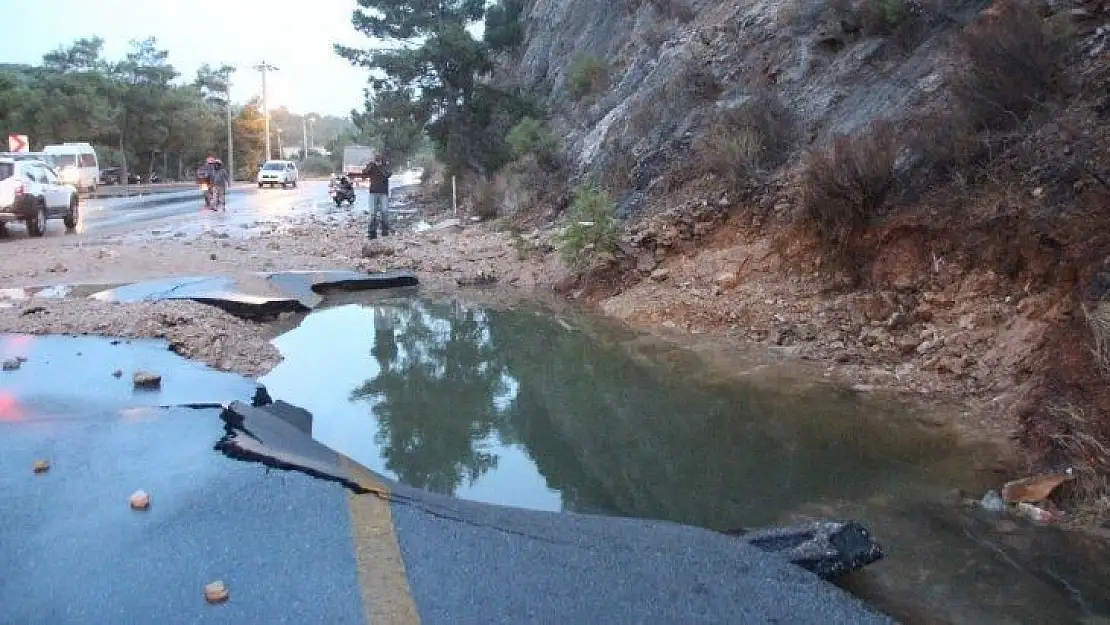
294,35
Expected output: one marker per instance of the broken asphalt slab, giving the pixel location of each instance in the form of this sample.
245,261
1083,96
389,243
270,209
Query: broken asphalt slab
583,568
261,295
520,564
306,285
256,299
279,436
291,547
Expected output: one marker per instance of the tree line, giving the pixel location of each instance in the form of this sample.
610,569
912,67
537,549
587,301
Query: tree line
137,111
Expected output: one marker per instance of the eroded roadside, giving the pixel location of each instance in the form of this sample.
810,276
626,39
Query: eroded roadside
719,301
685,302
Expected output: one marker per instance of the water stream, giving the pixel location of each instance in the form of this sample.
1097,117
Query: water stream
526,408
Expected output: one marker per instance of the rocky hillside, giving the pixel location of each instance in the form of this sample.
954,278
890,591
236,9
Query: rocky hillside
632,84
914,187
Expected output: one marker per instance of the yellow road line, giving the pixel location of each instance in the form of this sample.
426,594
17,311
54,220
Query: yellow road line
386,596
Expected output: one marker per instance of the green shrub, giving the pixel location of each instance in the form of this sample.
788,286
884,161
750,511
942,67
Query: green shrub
588,75
531,136
593,229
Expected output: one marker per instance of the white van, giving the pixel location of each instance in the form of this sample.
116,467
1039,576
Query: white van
76,164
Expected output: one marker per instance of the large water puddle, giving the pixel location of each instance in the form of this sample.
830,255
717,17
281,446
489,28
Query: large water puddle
566,413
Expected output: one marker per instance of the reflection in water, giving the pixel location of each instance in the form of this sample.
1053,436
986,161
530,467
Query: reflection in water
436,396
511,407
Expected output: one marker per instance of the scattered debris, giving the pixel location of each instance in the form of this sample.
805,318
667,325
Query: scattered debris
1036,488
140,500
42,466
1038,514
375,249
447,225
479,279
216,592
993,502
145,379
12,364
118,373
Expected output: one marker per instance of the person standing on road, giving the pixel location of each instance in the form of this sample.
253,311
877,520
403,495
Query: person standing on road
377,174
220,179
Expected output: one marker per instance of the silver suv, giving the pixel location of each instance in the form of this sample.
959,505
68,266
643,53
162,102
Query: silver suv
31,192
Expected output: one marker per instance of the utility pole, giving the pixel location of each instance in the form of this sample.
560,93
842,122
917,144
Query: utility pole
266,67
230,141
304,130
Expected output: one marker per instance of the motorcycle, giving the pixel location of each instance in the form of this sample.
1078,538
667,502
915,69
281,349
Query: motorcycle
339,194
213,196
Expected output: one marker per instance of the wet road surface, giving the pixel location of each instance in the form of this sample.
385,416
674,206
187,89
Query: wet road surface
172,210
182,212
297,549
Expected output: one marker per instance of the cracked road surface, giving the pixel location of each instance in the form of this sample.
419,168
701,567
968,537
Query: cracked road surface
294,548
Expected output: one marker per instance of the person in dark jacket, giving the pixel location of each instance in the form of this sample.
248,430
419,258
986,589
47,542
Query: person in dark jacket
377,174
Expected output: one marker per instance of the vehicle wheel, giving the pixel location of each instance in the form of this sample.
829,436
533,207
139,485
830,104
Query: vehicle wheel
3,230
260,185
70,220
36,224
294,184
285,185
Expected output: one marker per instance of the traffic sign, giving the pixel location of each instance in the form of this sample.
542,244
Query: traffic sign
17,143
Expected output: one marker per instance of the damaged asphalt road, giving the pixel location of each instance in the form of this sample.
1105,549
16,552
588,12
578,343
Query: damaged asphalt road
339,546
259,296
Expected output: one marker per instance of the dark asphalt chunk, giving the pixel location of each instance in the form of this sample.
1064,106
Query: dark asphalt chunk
305,285
274,435
73,552
827,548
527,566
242,300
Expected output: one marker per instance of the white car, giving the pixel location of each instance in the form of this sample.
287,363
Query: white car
75,163
274,173
31,192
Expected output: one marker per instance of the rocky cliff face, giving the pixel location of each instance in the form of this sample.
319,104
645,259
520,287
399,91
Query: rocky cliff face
978,222
666,68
